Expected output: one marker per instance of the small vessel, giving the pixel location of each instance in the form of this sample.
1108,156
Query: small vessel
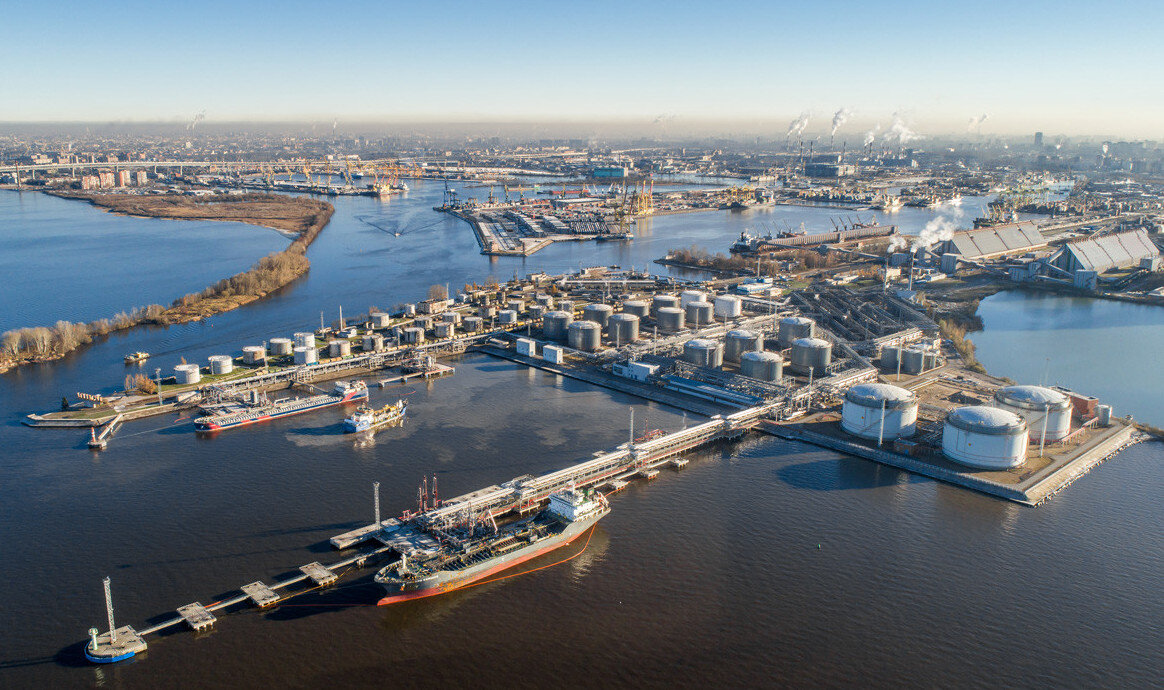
366,418
135,357
480,549
343,392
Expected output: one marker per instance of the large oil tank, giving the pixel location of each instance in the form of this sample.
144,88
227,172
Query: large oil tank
555,323
254,354
536,311
280,347
913,360
187,373
985,438
670,319
703,353
339,348
728,306
486,312
698,313
304,339
622,328
379,319
414,335
507,317
443,330
373,342
409,310
688,296
545,300
453,317
663,302
637,307
472,324
878,410
890,356
221,364
739,341
811,352
598,313
1038,406
515,305
584,335
765,366
793,327
306,355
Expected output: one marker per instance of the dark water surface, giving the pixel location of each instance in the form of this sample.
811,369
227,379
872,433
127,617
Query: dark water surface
763,563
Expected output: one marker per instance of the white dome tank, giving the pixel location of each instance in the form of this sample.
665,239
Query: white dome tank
339,348
472,324
985,438
507,316
764,366
187,373
414,335
811,353
280,346
792,328
453,317
728,306
664,302
304,339
739,341
861,414
1037,404
221,364
306,355
688,296
253,354
379,319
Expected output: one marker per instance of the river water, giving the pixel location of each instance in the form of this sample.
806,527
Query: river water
763,563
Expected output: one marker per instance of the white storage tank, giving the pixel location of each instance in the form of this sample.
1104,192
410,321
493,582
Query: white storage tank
555,323
811,352
688,296
663,302
414,335
373,342
985,438
379,319
339,348
1103,415
507,316
637,307
584,335
670,319
1038,405
792,328
598,313
728,306
703,353
187,373
545,300
221,364
739,341
280,347
515,305
304,339
765,366
306,355
622,328
254,354
472,324
878,410
698,313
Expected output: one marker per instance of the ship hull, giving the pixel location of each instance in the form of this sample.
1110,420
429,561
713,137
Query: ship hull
451,582
213,426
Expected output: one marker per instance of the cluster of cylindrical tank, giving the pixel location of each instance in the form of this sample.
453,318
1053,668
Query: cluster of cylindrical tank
688,296
985,438
703,352
373,342
912,361
739,341
792,328
221,364
698,312
254,354
811,354
1042,408
880,411
339,348
584,335
187,373
598,313
664,302
622,328
280,347
306,355
472,324
764,366
413,335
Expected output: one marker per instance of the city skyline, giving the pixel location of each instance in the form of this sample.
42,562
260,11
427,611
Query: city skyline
935,69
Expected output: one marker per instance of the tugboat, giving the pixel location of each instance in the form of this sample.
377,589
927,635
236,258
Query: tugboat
366,418
136,357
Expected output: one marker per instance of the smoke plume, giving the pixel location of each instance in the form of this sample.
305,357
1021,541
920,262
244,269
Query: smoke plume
900,132
839,118
797,126
976,122
871,135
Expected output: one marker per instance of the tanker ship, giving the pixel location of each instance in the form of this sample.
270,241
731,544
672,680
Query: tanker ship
459,561
366,418
342,393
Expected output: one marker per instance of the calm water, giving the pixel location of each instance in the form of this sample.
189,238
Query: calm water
1111,350
711,575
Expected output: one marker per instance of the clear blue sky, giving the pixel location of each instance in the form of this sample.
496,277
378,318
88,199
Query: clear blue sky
1068,67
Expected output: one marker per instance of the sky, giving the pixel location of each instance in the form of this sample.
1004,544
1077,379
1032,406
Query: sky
1062,67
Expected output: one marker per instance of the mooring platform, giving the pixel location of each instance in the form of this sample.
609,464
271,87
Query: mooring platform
196,616
261,594
318,573
103,650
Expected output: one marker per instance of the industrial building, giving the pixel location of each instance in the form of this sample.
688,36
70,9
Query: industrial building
1119,250
999,240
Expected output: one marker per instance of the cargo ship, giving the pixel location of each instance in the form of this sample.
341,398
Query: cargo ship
366,418
460,561
342,393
